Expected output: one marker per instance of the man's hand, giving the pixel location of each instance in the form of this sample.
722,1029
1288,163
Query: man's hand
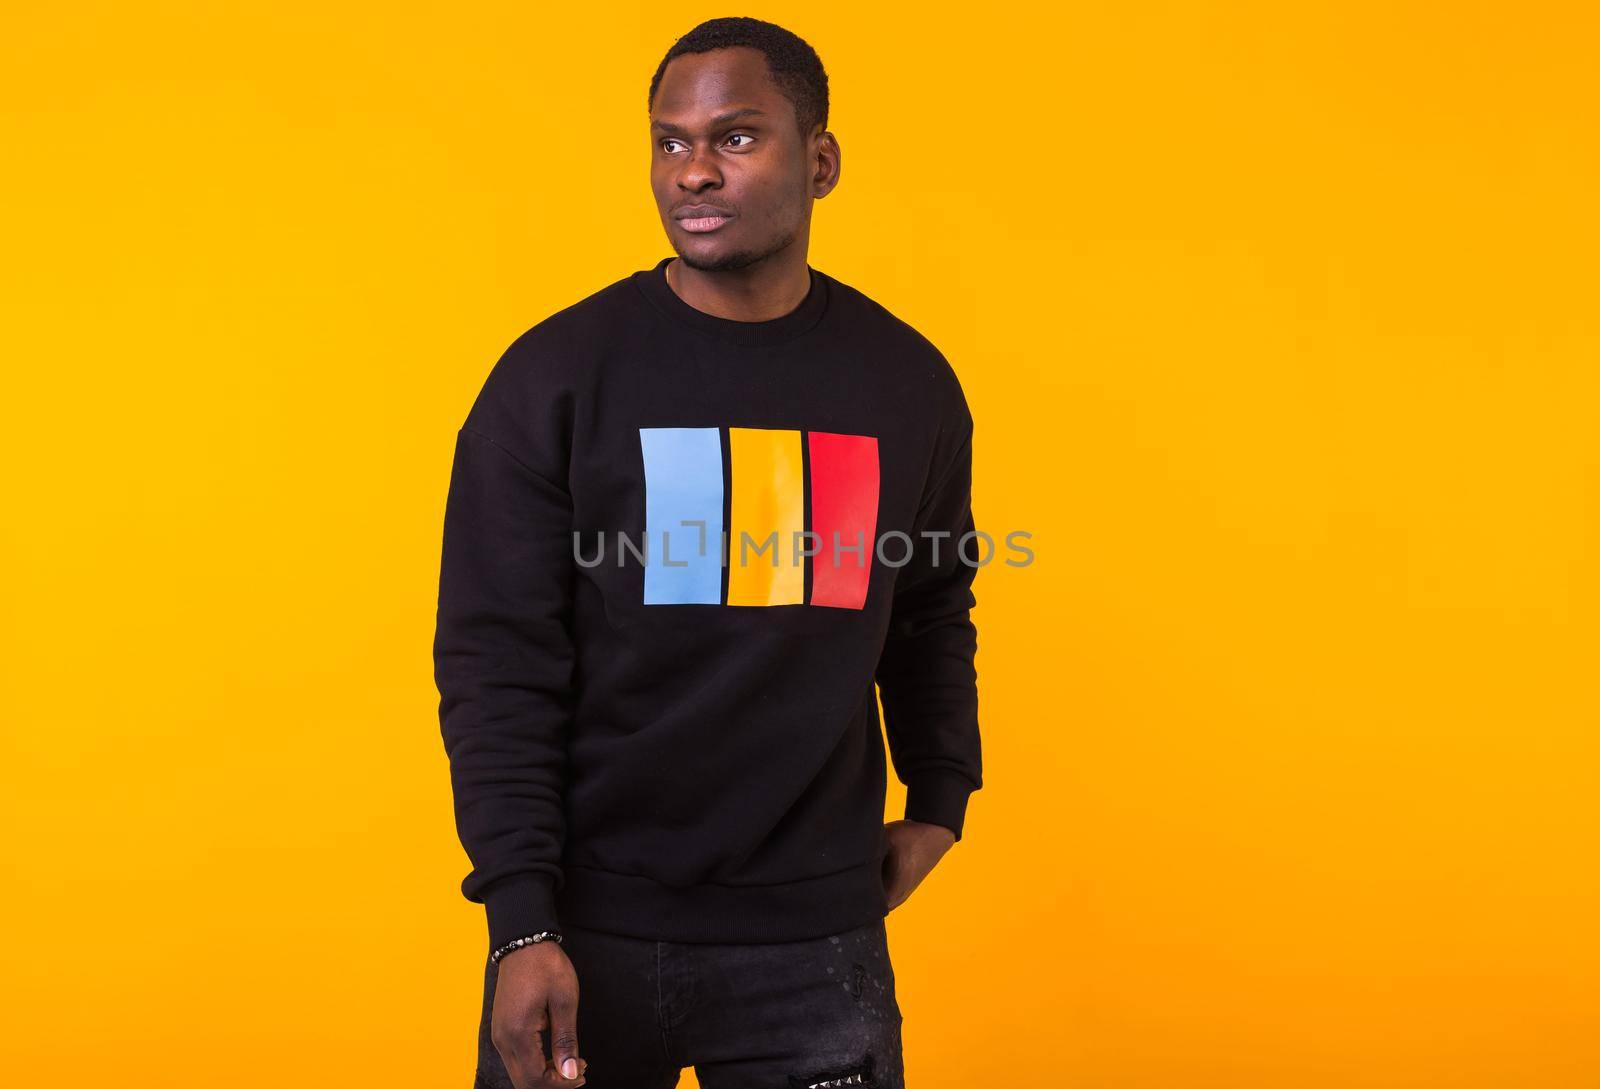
914,849
537,989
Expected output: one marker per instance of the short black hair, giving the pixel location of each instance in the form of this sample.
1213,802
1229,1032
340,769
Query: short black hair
795,66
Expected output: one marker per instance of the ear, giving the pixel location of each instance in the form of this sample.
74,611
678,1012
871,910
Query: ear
827,157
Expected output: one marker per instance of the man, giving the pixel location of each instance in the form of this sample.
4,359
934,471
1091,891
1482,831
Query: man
693,519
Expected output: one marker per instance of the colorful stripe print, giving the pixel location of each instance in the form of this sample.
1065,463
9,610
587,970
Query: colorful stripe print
692,497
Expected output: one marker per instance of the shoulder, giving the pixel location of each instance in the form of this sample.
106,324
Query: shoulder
569,338
921,363
528,395
554,355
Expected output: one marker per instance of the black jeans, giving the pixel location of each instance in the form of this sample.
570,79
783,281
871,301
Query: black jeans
785,1015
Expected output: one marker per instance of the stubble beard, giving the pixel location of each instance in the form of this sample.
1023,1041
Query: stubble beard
737,259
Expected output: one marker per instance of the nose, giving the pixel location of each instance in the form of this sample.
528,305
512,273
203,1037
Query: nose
699,172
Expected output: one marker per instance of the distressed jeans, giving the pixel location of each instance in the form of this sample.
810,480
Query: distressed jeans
809,1014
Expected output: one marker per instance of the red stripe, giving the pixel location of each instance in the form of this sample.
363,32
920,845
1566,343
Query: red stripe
844,500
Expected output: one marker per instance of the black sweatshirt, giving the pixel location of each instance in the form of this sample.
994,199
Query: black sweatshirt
648,732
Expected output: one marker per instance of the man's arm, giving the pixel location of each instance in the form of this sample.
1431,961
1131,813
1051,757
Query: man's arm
503,663
926,675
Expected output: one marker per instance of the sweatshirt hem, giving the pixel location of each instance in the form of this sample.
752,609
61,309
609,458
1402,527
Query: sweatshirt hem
641,907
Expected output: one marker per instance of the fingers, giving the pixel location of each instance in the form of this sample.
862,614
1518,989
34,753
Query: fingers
523,1052
522,1070
564,1033
553,1079
524,1061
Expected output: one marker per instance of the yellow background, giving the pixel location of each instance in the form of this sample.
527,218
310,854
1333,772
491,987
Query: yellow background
1278,322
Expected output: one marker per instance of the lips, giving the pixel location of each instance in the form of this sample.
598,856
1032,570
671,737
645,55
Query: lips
701,218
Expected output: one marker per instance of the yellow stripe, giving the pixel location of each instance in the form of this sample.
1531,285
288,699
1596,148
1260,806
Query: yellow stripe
768,498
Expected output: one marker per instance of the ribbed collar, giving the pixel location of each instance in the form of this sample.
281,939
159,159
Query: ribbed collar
652,283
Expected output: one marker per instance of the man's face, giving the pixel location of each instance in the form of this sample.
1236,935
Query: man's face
733,179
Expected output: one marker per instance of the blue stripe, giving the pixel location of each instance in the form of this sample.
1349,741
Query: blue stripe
683,483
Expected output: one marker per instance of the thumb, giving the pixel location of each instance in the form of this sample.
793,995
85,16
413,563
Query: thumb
564,1034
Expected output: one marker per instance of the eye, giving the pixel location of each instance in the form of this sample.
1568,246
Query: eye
665,142
742,136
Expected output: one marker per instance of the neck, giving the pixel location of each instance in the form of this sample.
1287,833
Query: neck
767,289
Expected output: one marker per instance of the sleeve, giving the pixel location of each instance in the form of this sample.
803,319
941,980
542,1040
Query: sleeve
926,675
504,667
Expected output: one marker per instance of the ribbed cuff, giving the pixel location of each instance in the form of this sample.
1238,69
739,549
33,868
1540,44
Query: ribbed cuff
519,906
938,796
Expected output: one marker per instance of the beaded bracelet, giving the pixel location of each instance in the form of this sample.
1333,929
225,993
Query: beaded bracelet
543,935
